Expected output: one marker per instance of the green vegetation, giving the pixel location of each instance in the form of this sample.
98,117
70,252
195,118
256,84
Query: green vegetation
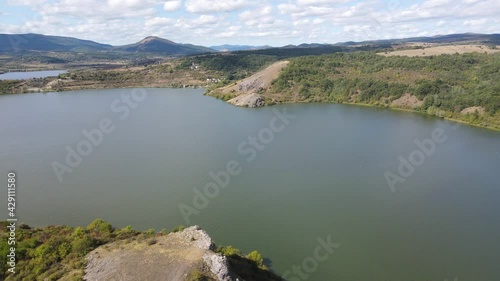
238,65
230,66
228,251
55,252
297,51
248,267
7,85
52,252
178,228
446,84
258,259
198,276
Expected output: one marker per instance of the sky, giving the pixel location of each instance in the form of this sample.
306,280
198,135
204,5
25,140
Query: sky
248,22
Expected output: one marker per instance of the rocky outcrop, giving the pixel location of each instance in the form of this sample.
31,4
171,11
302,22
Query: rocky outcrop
247,100
218,265
171,257
246,92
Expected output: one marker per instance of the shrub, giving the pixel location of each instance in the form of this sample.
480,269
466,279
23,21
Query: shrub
228,251
178,228
81,245
257,258
100,226
197,275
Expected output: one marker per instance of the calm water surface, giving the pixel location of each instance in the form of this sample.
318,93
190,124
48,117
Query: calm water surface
30,74
323,175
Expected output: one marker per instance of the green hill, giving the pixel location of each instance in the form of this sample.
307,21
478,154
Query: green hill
22,43
153,44
46,43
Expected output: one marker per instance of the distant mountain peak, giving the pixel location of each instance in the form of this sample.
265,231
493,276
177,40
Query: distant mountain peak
150,39
155,44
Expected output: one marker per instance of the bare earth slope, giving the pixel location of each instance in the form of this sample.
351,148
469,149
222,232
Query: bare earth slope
246,92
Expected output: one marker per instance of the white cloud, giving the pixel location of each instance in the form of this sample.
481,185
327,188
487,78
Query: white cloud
474,22
209,6
206,20
435,3
26,2
446,9
260,16
257,13
124,3
300,12
320,2
159,21
98,10
260,22
229,32
171,6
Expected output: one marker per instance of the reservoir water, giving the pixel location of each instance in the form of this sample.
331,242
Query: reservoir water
309,174
30,74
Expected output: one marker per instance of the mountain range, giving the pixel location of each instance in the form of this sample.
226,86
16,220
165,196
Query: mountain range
46,43
473,38
232,48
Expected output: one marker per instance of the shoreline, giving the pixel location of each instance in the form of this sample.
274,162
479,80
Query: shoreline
284,102
391,108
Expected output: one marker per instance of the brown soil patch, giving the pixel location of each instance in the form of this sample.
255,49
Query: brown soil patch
407,101
470,110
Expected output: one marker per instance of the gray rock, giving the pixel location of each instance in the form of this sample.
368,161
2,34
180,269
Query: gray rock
247,100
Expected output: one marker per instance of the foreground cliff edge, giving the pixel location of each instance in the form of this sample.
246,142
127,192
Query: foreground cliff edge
101,252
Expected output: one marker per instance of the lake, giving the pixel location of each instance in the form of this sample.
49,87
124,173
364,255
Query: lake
397,196
30,74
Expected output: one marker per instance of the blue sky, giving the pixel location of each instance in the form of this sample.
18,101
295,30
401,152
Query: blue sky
253,22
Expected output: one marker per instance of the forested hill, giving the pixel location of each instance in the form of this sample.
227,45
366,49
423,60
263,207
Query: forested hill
446,84
45,43
460,86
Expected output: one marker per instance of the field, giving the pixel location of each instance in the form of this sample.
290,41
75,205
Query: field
441,50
